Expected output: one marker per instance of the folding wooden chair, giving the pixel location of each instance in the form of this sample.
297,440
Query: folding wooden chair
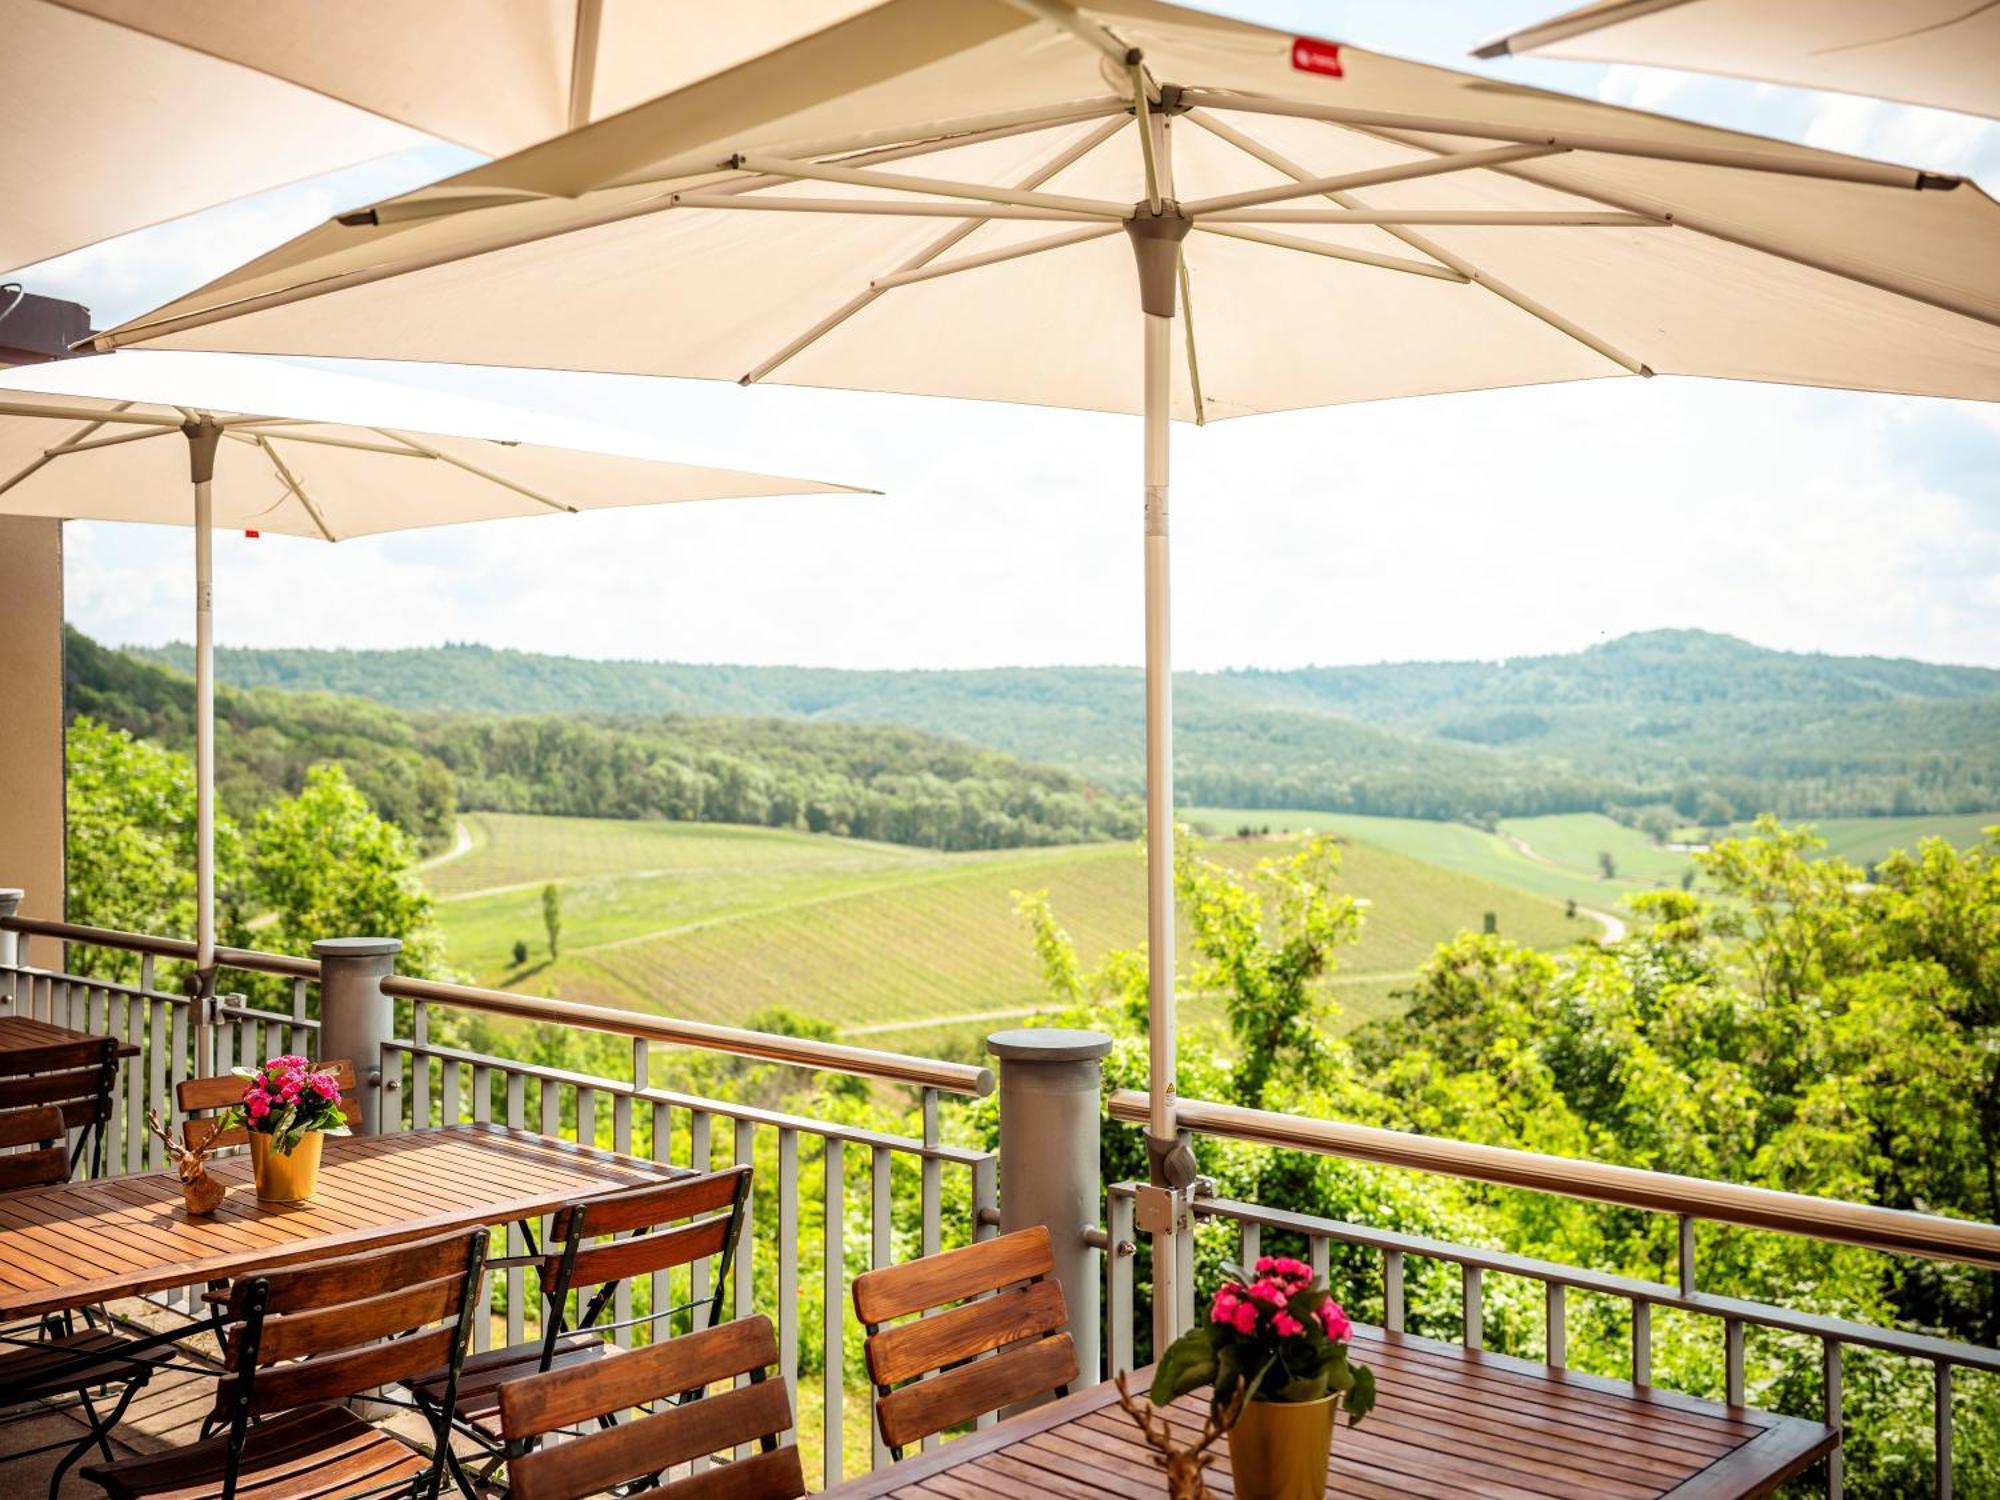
1017,1329
298,1341
77,1077
593,1247
643,1450
49,1361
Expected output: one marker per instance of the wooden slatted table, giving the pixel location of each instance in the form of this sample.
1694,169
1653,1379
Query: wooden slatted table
1449,1423
24,1033
88,1242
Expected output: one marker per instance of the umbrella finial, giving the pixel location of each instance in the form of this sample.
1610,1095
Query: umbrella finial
204,435
1156,241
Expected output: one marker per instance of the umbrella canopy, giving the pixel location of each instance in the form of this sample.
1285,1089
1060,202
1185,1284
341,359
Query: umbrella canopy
952,197
121,113
276,447
1943,53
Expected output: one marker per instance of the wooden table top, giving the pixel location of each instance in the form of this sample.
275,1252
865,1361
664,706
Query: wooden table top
86,1242
20,1033
1448,1423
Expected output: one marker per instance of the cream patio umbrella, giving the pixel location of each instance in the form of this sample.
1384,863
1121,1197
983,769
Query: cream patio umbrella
118,114
949,197
1942,53
270,446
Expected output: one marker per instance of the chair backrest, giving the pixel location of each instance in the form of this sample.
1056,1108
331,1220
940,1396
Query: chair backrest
537,1405
643,1231
199,1099
45,1165
77,1077
928,1373
332,1328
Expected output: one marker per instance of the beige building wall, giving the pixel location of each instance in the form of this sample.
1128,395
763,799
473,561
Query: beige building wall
31,720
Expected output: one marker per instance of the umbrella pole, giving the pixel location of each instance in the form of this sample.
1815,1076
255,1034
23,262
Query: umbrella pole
1156,242
203,438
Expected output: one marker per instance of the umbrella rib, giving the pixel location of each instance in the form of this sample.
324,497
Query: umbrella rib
426,451
86,444
1479,217
1838,169
1061,13
992,257
1068,156
93,422
292,483
582,63
1944,302
1464,161
1334,252
897,182
333,442
1424,245
1194,365
890,208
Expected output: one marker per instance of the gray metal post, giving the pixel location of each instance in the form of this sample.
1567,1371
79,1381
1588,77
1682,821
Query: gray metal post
10,943
355,1017
1051,1103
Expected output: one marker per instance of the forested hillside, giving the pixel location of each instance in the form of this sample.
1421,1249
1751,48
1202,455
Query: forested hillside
896,785
1702,725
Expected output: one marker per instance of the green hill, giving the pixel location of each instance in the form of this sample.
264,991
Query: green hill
1686,722
713,923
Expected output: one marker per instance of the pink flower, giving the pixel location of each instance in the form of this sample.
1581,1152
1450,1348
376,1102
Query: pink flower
324,1084
1338,1328
1287,1325
289,1089
1271,1292
1245,1318
289,1060
258,1103
1264,1265
1295,1270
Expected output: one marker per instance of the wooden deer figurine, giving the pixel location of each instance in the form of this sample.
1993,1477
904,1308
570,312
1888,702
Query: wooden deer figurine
1183,1465
202,1193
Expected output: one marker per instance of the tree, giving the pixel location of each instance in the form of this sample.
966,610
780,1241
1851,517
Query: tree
325,864
1607,864
130,845
520,953
552,915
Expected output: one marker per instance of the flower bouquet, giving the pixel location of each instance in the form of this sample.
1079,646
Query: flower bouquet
1274,1350
289,1107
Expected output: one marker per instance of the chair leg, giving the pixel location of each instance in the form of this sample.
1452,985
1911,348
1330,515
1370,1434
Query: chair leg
97,1437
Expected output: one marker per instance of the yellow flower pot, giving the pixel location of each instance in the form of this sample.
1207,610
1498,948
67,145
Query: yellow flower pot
1278,1450
286,1176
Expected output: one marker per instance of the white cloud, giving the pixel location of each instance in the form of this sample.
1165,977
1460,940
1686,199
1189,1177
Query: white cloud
1642,88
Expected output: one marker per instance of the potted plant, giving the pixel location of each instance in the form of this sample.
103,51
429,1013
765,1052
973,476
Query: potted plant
289,1107
1274,1348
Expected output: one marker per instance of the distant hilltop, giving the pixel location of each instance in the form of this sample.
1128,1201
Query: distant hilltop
1659,717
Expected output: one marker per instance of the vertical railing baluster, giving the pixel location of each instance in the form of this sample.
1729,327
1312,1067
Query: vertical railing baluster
136,1007
1836,1469
177,1050
517,1241
1392,1290
660,1288
788,1261
1732,1361
1941,1425
550,1107
482,1095
1322,1257
586,1116
1685,1259
156,1075
881,1250
420,1066
701,1156
621,1142
1121,1292
1250,1243
985,1206
392,1090
1642,1342
743,1294
1472,1300
448,1090
833,1290
1555,1302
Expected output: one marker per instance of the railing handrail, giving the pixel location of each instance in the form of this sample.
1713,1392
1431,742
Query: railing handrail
1966,1241
248,959
802,1052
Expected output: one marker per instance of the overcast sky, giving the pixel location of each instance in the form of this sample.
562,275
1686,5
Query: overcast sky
1482,525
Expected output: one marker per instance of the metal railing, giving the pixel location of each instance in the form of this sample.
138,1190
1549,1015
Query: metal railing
903,1195
1692,1201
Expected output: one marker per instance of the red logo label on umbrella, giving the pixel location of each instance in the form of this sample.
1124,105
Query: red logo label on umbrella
1311,56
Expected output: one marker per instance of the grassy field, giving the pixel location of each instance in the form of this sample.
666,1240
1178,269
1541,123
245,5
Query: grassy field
713,922
1557,856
